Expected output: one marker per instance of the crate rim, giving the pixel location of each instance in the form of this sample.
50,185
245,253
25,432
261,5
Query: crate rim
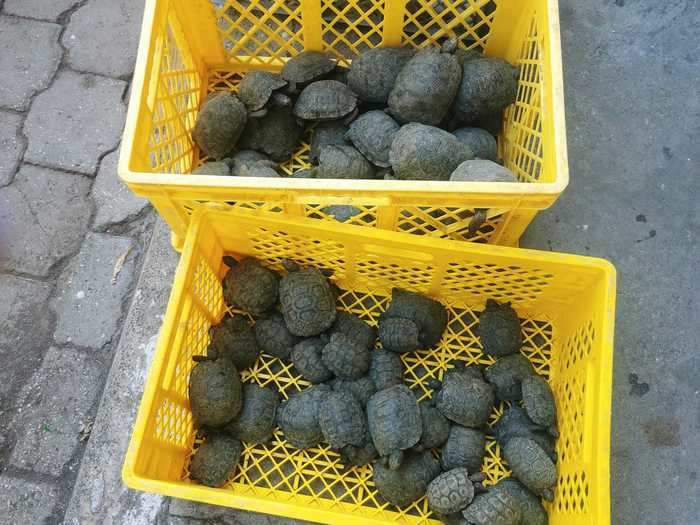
602,441
310,186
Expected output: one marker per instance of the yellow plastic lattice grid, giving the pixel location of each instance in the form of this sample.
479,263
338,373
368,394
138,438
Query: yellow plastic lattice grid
277,466
566,304
428,22
190,48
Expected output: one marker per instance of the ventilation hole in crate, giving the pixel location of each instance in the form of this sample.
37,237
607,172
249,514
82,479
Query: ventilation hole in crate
452,223
428,22
522,142
260,31
349,29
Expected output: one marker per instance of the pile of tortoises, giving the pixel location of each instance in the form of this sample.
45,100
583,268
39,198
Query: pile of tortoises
395,113
359,405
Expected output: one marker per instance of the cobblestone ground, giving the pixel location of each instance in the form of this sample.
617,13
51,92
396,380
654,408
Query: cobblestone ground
72,238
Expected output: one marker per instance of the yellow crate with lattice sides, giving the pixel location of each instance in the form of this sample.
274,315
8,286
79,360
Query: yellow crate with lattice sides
190,48
567,307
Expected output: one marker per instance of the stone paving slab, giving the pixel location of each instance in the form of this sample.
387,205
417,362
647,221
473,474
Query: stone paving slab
23,331
99,496
44,215
25,502
11,145
102,37
114,201
91,290
54,407
30,56
75,122
44,9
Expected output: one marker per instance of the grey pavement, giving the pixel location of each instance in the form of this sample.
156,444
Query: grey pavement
86,275
633,119
69,256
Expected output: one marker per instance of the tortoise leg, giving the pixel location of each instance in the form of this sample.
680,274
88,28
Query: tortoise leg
395,459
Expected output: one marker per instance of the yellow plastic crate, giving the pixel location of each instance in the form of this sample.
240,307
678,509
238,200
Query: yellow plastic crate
567,304
189,48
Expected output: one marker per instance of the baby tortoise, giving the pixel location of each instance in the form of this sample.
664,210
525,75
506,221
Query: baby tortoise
342,421
276,134
273,336
409,481
428,316
341,161
385,369
362,388
214,391
359,456
219,125
465,447
507,374
259,170
539,404
515,423
399,335
248,158
298,417
372,134
450,492
256,88
531,466
480,170
480,141
436,428
329,133
346,357
493,508
394,423
250,286
307,301
306,357
499,329
530,505
425,87
341,212
234,339
373,73
420,152
307,67
325,100
465,397
214,462
213,168
355,328
487,85
257,418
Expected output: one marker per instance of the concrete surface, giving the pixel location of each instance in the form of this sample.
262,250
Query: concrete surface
40,9
633,118
115,202
44,215
11,145
88,297
29,60
55,406
75,122
99,29
99,495
633,121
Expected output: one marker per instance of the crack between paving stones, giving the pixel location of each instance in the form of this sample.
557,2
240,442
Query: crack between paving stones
122,225
33,212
